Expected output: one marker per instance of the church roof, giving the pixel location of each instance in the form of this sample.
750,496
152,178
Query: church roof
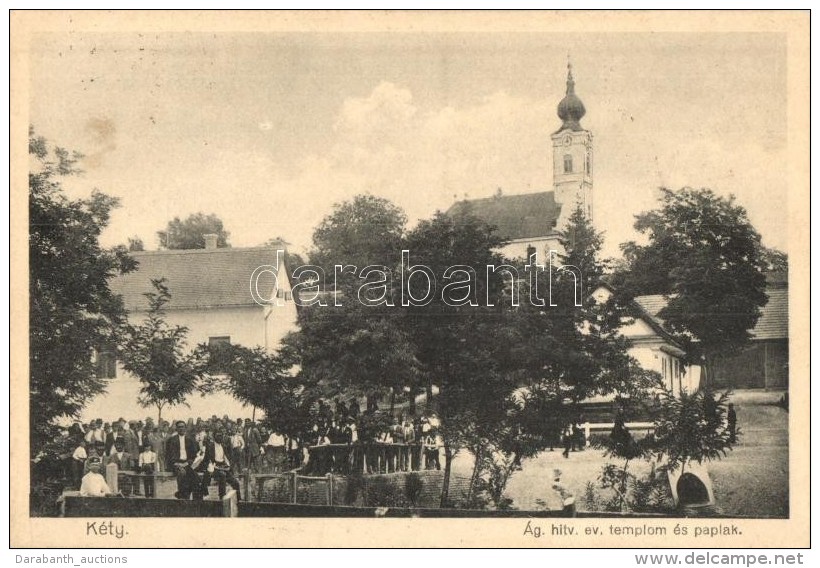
201,278
571,110
528,215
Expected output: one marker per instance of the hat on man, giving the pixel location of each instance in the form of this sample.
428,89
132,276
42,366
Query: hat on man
94,460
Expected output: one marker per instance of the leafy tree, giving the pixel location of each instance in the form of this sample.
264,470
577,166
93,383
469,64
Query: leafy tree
622,445
570,352
775,260
260,379
691,426
72,311
354,349
367,230
135,244
292,260
190,233
155,353
704,255
464,349
346,346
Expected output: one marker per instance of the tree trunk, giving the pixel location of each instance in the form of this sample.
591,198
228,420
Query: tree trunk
476,470
623,485
412,407
159,414
253,414
429,394
445,488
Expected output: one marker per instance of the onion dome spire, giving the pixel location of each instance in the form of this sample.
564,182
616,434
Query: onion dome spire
571,110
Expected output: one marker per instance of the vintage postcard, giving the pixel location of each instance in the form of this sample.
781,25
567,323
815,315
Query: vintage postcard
439,279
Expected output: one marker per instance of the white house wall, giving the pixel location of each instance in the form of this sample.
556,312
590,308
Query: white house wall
245,326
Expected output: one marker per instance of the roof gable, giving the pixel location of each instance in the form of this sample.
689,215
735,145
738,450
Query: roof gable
515,216
201,278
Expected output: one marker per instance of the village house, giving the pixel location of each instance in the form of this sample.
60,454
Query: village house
222,295
765,362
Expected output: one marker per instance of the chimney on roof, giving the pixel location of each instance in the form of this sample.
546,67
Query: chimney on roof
210,241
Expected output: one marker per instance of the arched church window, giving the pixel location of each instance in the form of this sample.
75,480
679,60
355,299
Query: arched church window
567,164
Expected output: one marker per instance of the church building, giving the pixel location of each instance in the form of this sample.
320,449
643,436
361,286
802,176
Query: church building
531,222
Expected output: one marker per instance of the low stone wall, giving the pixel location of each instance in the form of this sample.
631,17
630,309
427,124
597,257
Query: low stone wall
76,506
291,510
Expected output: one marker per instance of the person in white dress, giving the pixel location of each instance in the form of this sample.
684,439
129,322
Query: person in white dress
94,484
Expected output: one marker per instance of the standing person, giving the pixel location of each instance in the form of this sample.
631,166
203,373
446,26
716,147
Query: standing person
372,402
180,451
431,451
113,436
275,450
217,465
76,431
577,436
731,420
567,440
355,458
131,444
78,459
132,448
140,434
253,445
354,409
237,442
397,432
119,456
147,467
410,458
157,441
95,433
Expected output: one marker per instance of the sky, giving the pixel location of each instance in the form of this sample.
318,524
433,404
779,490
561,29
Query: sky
268,131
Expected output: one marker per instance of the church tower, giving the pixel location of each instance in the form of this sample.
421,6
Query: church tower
572,157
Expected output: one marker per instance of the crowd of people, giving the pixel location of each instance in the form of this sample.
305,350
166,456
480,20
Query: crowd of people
218,448
349,441
342,440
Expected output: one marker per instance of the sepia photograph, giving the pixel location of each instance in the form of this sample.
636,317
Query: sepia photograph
539,271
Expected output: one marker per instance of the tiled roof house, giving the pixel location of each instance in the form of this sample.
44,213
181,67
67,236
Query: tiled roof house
236,295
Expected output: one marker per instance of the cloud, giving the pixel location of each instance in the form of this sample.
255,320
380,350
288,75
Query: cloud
422,158
386,145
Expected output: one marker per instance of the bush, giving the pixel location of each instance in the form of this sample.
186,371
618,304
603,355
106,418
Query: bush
382,491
